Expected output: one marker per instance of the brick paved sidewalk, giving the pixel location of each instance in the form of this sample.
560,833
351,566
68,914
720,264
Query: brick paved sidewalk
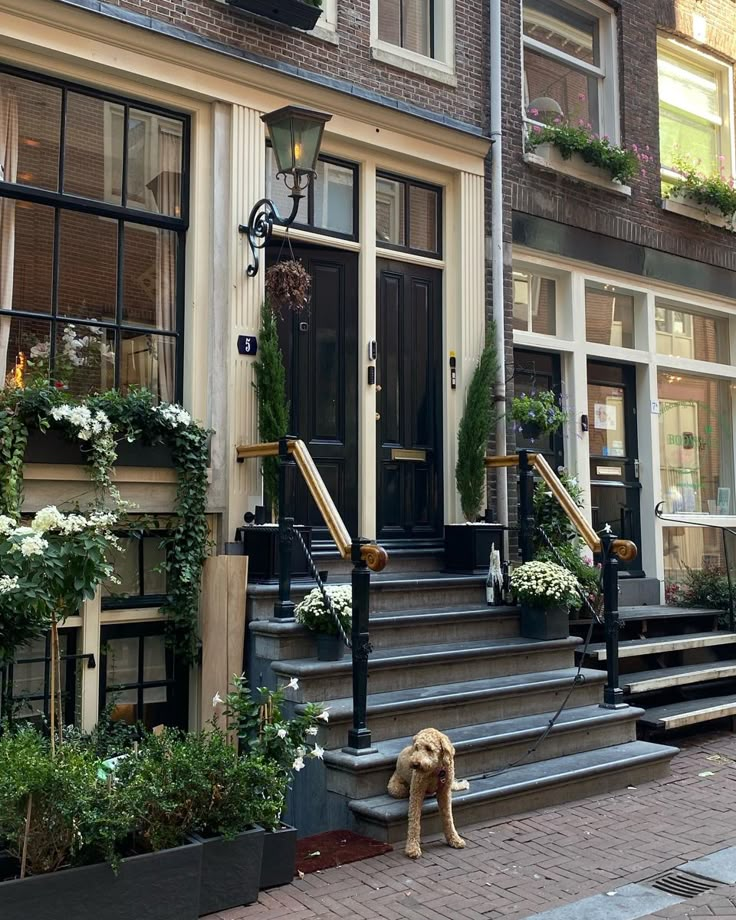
521,866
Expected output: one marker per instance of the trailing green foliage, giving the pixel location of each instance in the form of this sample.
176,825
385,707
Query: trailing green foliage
273,408
474,431
714,191
623,163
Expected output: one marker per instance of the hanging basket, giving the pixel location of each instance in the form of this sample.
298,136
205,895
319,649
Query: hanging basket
531,431
288,285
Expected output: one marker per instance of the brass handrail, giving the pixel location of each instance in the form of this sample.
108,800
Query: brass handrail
375,556
624,549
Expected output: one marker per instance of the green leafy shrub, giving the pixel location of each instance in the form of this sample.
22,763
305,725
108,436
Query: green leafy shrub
623,163
715,191
474,431
707,587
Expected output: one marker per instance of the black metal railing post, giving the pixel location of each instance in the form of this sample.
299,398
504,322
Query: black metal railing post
526,507
613,695
359,736
284,606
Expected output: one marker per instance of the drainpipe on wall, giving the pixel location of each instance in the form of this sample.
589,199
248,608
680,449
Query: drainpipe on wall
496,253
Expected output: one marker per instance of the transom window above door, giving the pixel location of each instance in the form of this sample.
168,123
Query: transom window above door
570,64
408,215
330,205
93,216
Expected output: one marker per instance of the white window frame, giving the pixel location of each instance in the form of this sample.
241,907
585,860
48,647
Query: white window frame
441,67
723,74
606,72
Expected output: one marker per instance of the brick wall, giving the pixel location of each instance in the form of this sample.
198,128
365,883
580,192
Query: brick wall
350,58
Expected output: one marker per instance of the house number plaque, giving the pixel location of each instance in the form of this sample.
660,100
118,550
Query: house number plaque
247,345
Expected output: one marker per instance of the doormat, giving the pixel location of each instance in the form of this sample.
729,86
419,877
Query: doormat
335,848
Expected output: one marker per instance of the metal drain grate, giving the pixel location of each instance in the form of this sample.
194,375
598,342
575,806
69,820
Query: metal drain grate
683,885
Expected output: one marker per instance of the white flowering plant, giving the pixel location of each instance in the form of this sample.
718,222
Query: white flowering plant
545,584
266,733
312,612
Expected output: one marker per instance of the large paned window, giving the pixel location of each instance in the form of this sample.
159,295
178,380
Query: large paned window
535,303
683,334
694,108
569,63
407,24
28,679
415,34
609,315
93,214
139,569
408,215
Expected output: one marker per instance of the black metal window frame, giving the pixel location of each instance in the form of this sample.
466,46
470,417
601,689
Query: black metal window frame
324,231
176,680
69,665
525,366
408,183
432,38
142,599
62,201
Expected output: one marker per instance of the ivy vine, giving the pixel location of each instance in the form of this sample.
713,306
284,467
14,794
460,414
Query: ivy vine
96,425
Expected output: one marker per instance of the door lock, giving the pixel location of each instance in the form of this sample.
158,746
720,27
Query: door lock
378,388
378,416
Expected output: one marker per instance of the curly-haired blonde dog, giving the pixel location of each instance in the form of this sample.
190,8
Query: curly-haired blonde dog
427,767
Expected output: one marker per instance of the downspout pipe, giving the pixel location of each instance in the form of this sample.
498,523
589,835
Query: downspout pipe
496,253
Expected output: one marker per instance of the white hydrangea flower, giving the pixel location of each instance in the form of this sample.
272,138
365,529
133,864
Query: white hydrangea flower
8,584
312,730
7,525
33,545
173,415
49,518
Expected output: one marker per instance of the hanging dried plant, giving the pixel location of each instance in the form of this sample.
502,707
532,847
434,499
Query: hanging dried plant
288,285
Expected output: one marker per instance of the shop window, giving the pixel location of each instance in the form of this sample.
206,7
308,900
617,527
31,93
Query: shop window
609,315
139,566
330,204
93,214
408,215
28,679
691,335
535,303
140,680
695,440
570,63
694,109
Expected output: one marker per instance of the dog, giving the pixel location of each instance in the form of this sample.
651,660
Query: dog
427,767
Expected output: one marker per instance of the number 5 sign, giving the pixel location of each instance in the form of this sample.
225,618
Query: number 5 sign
247,345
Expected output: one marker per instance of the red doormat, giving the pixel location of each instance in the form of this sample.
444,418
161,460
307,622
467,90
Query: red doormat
335,848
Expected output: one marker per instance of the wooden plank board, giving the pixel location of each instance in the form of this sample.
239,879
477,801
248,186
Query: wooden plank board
678,715
632,647
660,679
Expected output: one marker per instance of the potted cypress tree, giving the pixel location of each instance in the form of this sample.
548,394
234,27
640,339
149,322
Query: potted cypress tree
468,545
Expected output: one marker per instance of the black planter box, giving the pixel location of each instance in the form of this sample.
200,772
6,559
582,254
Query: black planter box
293,13
544,622
231,870
52,447
154,886
261,545
468,547
279,857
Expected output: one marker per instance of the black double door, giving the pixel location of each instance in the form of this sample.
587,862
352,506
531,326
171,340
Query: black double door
319,346
409,402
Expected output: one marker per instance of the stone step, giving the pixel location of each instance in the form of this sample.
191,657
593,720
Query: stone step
690,712
665,612
400,713
635,647
389,591
489,746
285,639
662,678
400,561
422,666
522,788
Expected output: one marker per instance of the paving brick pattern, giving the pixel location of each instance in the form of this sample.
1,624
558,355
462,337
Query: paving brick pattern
536,861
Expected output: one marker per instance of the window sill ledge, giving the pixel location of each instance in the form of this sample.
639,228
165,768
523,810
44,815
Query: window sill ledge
423,67
324,33
695,212
548,158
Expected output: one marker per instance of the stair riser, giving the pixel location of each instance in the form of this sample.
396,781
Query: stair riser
483,760
407,676
291,647
406,722
340,569
530,800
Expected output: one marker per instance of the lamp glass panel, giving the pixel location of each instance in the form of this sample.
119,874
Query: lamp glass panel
307,140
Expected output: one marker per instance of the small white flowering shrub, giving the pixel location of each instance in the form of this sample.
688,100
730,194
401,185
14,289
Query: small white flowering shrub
545,584
313,613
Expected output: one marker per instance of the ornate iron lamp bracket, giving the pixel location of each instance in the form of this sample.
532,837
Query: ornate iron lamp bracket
260,225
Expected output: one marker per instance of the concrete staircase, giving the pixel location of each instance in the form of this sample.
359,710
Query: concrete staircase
676,664
442,658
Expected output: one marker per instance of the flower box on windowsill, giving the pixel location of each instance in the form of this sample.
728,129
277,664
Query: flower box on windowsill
295,13
686,207
547,156
52,447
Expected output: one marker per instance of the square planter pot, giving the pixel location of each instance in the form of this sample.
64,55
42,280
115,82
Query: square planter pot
231,870
329,648
153,886
279,857
468,547
544,622
261,545
293,13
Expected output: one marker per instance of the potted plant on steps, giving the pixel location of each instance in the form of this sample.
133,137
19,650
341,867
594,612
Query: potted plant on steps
537,414
312,612
468,545
546,592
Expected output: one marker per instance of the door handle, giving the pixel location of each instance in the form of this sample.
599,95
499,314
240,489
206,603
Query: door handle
636,469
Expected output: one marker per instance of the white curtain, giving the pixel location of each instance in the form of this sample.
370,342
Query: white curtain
8,173
169,187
